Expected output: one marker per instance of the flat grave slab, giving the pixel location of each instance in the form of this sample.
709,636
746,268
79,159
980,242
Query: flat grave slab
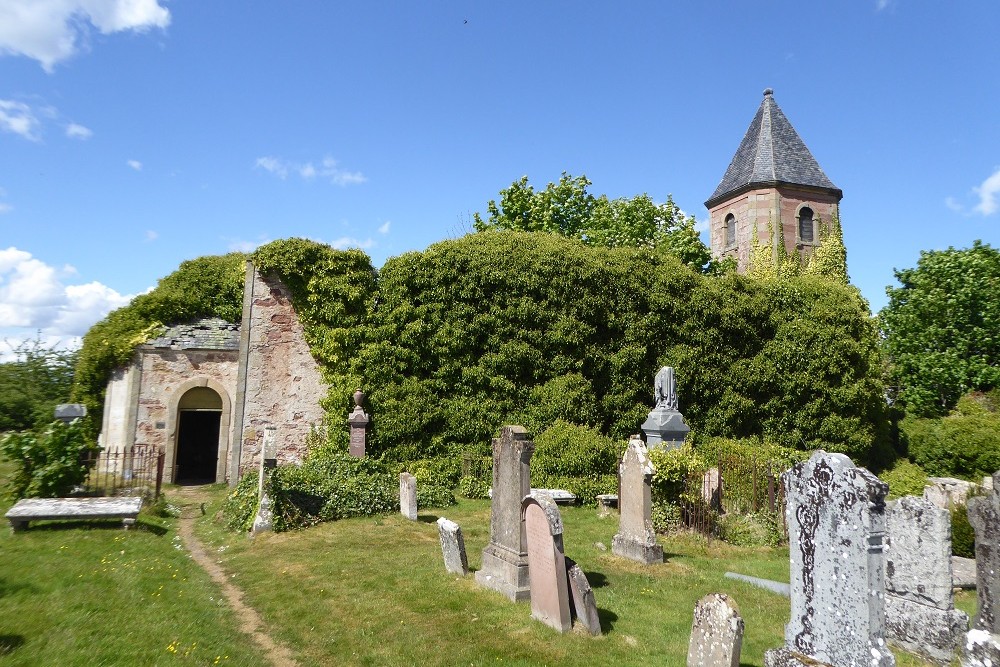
42,509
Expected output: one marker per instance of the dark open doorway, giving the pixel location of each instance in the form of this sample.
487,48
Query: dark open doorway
197,446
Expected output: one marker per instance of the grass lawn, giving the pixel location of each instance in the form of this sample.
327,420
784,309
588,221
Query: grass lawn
374,592
90,593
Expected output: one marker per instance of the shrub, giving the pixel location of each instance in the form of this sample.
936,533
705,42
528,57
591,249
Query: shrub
473,487
963,537
959,445
904,479
669,484
757,529
48,463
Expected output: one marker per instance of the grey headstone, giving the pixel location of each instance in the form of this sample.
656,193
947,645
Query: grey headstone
636,538
546,562
836,525
948,492
980,649
408,496
925,630
716,633
664,426
918,552
963,572
984,515
505,559
581,597
607,504
452,547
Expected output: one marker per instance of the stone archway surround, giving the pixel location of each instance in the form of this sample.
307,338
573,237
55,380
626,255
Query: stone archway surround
225,423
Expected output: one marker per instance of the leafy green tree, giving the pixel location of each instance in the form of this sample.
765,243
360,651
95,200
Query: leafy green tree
568,209
941,328
48,462
39,378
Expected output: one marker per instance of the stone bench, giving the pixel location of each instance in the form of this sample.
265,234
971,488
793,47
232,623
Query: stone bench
38,509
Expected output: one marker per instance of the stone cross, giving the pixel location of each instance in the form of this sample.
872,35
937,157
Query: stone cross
546,562
264,521
716,633
920,614
408,496
636,538
452,547
836,525
505,558
358,421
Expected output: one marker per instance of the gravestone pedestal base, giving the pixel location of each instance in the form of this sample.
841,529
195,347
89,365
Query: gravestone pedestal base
665,429
927,631
782,657
981,649
505,572
622,545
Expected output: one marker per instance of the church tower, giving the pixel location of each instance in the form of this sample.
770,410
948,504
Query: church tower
774,184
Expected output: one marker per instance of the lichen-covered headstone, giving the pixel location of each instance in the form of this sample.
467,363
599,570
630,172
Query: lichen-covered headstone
546,562
836,526
583,607
452,547
636,538
982,643
408,496
920,614
264,520
505,559
716,633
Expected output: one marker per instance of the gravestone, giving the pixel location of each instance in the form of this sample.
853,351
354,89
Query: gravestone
581,597
505,559
264,521
920,614
716,633
408,496
836,525
948,492
546,562
636,538
982,643
665,426
452,547
358,421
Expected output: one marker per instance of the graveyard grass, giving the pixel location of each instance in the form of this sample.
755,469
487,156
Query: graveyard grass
370,591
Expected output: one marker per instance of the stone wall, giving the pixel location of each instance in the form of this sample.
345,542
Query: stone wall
118,398
283,385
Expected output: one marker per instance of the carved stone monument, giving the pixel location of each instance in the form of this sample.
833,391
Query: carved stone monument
408,496
665,426
636,538
920,614
358,421
982,643
264,521
546,562
452,547
716,633
836,526
505,558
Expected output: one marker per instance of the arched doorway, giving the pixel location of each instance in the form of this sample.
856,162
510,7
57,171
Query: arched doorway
199,417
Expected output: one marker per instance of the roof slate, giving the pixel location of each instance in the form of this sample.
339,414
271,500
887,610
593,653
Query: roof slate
771,152
207,334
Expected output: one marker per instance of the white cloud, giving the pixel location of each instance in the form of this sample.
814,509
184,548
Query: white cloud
350,242
327,169
134,164
33,298
18,118
882,4
75,131
151,235
988,192
953,205
5,207
384,227
51,31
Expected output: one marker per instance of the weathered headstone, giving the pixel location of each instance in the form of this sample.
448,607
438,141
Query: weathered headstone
920,614
358,421
505,559
408,496
581,598
452,547
716,633
948,492
665,426
982,643
264,521
636,538
607,504
546,562
836,525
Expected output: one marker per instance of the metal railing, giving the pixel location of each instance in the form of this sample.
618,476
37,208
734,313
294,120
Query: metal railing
136,470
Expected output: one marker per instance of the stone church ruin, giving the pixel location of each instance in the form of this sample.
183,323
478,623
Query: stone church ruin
204,391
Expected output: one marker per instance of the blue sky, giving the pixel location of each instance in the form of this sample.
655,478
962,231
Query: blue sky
135,134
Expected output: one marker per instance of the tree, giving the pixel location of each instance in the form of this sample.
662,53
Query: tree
941,328
38,379
568,209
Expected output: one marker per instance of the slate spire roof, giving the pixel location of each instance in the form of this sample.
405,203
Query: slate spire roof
205,334
771,153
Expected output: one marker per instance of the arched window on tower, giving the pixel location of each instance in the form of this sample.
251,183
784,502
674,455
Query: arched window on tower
730,231
807,232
